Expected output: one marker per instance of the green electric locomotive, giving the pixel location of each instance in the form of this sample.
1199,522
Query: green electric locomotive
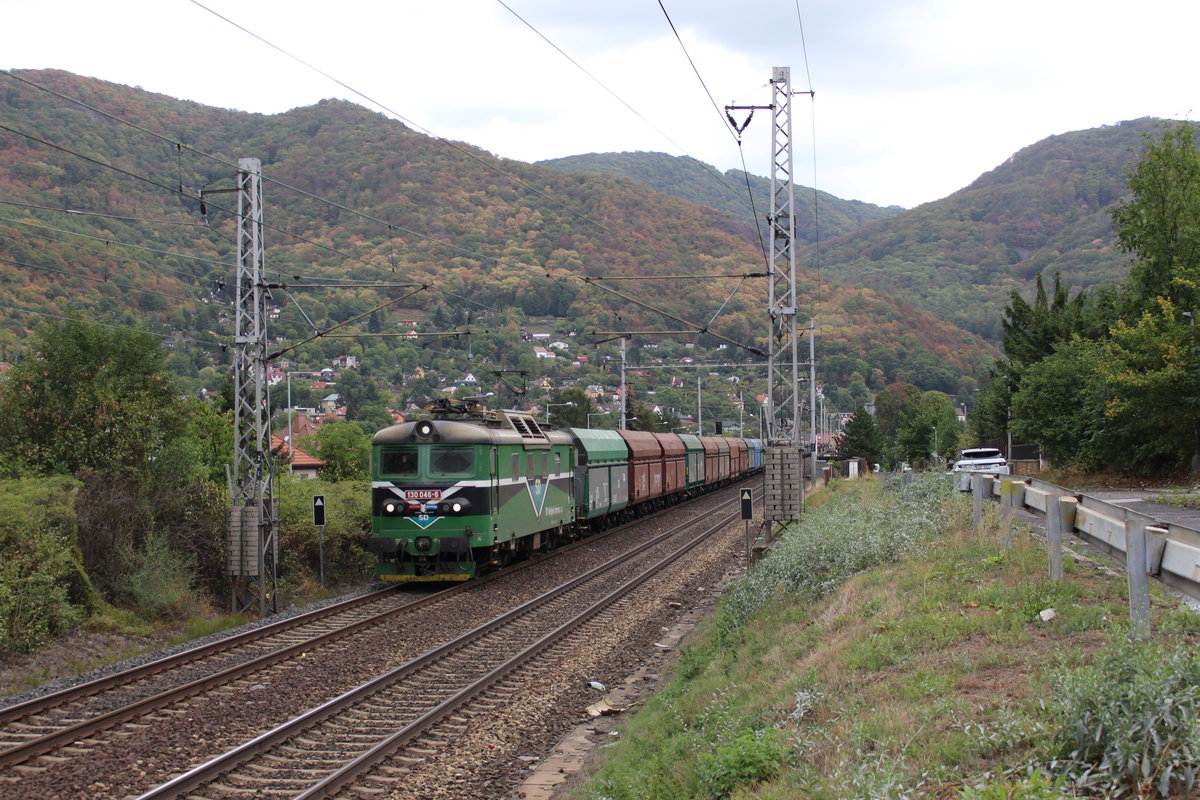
465,488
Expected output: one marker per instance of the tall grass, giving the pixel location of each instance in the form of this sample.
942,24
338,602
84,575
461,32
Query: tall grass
846,537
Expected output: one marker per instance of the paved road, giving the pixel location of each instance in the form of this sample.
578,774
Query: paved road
1143,502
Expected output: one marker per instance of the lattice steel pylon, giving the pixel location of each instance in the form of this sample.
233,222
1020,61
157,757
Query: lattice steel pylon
783,361
252,542
784,478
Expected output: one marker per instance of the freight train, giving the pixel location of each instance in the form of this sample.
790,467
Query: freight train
465,489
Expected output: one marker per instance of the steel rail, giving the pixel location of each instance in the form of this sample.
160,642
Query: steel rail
72,693
205,773
82,730
339,779
64,736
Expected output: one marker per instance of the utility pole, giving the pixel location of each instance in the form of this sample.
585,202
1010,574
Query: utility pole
624,388
252,542
812,385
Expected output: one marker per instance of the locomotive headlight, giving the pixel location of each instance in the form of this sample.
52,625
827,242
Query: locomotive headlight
389,507
453,507
424,429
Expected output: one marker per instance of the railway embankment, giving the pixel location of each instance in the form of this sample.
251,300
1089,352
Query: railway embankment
889,648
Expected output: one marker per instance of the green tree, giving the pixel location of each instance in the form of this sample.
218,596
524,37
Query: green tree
860,438
1152,414
570,416
1031,331
344,448
1160,224
89,397
97,402
641,417
927,423
1069,433
888,404
358,393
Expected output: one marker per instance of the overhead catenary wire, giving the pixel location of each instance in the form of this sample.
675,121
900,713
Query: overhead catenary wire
453,145
107,241
724,120
121,217
153,182
812,96
727,124
392,227
341,325
181,192
283,284
718,176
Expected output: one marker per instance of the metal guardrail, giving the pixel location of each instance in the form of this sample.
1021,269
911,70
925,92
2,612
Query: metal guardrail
1172,551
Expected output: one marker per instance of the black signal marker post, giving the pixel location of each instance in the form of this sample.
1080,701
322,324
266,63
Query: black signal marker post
319,521
748,514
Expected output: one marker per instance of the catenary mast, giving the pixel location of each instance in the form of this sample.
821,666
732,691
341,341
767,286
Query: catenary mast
252,542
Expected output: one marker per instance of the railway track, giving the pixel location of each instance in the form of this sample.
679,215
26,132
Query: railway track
90,723
424,703
45,723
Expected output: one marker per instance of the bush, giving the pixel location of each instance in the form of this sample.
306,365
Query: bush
1131,723
44,590
114,520
837,541
347,528
161,583
751,757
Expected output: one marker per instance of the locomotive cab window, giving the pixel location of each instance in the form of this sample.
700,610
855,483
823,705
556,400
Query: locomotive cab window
451,461
399,461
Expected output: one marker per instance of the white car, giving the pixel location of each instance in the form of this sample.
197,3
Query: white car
981,459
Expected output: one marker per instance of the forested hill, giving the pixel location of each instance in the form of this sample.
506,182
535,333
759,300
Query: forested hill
697,182
1046,209
104,218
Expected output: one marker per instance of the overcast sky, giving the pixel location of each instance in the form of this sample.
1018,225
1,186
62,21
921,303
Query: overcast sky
914,100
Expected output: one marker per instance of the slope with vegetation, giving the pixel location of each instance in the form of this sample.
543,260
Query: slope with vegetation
1047,209
887,649
116,308
466,242
746,197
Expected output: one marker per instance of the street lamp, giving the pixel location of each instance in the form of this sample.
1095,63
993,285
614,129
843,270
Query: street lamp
595,414
552,405
935,445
